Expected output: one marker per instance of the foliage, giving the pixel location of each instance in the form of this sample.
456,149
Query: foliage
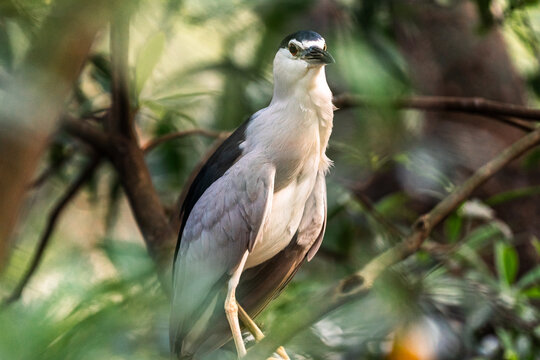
207,64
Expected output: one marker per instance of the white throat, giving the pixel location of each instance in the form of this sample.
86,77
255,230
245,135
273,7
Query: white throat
298,120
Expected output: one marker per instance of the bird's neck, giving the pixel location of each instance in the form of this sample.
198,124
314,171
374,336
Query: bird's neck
308,94
297,123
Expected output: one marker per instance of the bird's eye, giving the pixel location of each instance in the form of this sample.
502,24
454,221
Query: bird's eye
293,49
324,47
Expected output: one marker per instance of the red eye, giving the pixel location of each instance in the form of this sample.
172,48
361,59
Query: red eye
293,49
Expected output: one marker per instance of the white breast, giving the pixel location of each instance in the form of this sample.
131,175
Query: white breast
287,209
291,133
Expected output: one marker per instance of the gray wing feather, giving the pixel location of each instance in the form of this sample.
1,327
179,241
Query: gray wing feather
224,223
313,224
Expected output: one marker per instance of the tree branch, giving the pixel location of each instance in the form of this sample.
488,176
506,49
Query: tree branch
359,284
51,169
54,215
158,233
120,119
88,133
515,122
469,105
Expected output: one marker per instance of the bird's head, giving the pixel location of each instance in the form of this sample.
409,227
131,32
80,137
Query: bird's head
300,59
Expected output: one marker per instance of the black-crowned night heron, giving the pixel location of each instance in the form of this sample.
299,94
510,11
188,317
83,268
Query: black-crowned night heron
257,208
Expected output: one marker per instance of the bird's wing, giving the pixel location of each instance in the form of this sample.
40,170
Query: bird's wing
224,223
219,162
259,285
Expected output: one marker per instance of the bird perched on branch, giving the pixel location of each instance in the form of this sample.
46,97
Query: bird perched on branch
257,208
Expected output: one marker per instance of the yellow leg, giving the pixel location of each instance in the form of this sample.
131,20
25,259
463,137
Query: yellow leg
256,331
231,308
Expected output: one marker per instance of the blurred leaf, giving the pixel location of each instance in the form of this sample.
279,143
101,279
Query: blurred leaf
452,227
532,293
395,206
101,71
179,99
6,53
532,160
518,4
149,56
514,194
508,344
481,236
531,277
536,244
506,262
131,260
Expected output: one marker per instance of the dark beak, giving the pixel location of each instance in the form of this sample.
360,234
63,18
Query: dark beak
317,56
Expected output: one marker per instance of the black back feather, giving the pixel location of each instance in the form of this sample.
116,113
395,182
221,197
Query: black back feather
220,161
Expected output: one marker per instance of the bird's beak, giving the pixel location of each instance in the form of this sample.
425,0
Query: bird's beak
317,56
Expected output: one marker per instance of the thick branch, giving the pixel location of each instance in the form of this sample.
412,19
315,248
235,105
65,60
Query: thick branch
54,215
128,160
359,284
157,231
88,133
469,105
120,120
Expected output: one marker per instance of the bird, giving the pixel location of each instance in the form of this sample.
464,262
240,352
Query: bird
257,208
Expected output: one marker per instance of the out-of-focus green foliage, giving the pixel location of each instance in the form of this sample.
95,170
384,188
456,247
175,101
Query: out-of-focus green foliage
208,64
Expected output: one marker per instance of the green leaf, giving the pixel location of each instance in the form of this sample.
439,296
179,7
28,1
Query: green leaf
536,244
506,262
532,293
513,195
481,236
531,277
452,227
149,56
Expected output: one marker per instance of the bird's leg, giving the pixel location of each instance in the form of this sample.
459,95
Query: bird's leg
250,324
256,331
231,308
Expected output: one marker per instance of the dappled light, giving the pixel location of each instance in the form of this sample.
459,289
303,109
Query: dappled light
431,248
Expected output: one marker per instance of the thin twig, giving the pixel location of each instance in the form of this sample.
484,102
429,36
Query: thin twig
359,284
470,105
150,145
54,215
517,123
51,169
377,216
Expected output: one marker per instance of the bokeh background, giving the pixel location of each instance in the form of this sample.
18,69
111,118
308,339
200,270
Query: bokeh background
473,290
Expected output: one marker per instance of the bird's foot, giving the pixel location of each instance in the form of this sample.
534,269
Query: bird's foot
282,353
258,334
